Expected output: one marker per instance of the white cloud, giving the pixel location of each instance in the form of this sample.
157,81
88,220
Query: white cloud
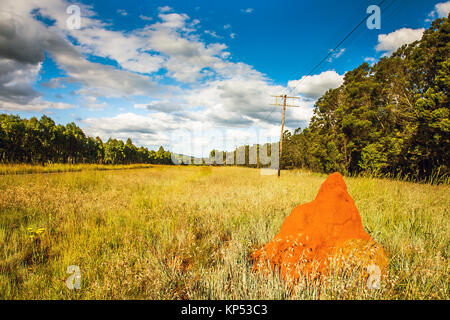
336,54
370,60
15,81
172,20
165,9
441,10
36,104
316,85
180,52
227,26
126,49
25,40
91,102
122,12
129,123
248,10
212,34
394,40
102,80
186,56
242,102
145,17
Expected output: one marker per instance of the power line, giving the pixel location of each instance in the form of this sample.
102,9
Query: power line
332,51
360,33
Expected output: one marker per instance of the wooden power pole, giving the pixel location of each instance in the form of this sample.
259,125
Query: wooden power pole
284,105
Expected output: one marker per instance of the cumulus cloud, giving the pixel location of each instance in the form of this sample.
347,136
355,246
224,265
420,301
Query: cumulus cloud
123,48
22,47
104,80
16,91
15,81
441,10
18,41
316,85
394,40
165,9
123,124
168,43
186,56
25,40
243,102
240,99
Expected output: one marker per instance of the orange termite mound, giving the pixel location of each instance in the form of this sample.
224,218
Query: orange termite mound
328,226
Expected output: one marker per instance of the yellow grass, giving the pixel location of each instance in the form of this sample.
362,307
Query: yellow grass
57,168
169,232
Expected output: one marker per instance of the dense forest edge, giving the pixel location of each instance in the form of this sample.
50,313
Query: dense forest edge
391,119
42,141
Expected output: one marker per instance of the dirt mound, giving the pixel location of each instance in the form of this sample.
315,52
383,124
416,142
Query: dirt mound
328,226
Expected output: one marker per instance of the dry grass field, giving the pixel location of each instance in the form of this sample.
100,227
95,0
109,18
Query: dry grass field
169,232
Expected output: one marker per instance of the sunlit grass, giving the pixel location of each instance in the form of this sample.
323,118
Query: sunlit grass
169,232
57,167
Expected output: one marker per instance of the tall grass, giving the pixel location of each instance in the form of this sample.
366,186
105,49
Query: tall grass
435,178
58,168
170,232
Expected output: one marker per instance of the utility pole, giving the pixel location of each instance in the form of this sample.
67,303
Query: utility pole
284,105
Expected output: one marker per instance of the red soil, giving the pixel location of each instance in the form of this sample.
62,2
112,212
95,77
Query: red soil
329,225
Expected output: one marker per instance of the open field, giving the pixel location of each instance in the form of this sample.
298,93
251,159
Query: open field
170,232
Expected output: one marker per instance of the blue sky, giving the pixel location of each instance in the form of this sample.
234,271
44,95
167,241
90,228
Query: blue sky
189,75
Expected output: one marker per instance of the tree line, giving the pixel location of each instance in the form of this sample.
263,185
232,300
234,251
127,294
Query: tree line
42,141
